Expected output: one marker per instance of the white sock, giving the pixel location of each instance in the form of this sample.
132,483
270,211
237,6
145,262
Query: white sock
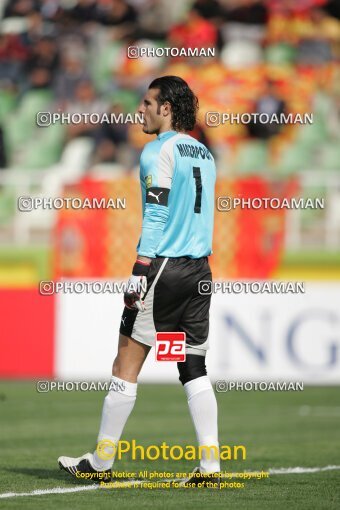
117,407
203,409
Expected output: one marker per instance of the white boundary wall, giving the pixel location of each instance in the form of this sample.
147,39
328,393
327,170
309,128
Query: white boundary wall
253,337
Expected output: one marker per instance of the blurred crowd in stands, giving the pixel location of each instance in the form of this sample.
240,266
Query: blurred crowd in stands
71,56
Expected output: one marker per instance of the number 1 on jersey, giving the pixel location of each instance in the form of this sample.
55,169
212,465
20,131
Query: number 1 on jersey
198,182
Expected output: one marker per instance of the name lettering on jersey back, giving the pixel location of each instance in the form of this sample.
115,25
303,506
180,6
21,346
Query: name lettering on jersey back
193,151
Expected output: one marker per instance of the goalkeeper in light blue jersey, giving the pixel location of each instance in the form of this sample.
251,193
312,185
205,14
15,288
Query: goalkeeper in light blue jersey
177,176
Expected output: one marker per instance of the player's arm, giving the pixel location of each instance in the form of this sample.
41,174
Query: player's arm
156,210
137,284
144,259
156,214
155,218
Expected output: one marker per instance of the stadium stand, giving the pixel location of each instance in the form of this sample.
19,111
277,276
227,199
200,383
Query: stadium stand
51,51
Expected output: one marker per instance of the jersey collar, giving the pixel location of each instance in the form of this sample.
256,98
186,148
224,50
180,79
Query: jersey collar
166,134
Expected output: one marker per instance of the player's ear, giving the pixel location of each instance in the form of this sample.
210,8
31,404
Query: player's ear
166,108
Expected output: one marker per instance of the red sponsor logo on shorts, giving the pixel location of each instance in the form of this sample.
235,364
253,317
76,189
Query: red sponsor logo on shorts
170,346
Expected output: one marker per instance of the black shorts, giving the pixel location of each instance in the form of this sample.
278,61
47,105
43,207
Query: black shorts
173,303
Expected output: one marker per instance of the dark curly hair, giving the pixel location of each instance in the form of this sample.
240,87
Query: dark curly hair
184,103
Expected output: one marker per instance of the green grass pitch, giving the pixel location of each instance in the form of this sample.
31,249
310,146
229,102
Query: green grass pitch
36,428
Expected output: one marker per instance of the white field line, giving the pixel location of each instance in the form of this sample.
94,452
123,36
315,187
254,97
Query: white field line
299,470
319,411
56,490
80,488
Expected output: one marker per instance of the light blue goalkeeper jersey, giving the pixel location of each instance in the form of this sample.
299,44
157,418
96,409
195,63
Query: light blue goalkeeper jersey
177,175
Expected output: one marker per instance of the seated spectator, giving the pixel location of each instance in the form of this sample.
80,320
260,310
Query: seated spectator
119,15
20,8
37,28
39,78
153,21
71,73
13,55
85,101
51,10
208,9
84,11
244,20
111,138
269,103
248,12
316,36
194,32
332,7
44,55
